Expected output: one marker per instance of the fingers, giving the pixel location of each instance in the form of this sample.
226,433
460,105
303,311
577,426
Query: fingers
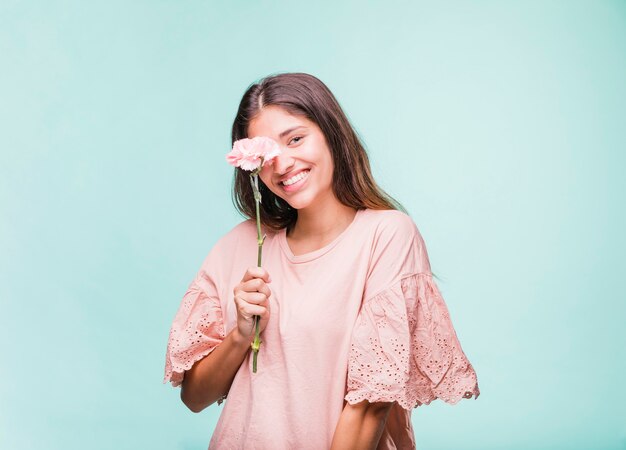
254,280
248,309
256,272
252,287
255,285
252,294
253,310
256,298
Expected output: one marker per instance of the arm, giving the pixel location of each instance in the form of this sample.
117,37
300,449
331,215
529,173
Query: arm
361,425
211,377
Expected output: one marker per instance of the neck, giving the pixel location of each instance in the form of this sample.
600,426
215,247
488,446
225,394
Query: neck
322,223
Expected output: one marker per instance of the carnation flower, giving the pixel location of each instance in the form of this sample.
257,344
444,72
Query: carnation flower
250,154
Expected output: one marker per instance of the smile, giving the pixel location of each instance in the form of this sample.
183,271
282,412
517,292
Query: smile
296,178
296,182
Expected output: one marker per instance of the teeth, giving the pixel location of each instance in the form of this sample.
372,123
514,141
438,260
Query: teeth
296,178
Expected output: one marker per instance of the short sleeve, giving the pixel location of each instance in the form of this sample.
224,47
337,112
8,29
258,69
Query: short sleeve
197,328
403,346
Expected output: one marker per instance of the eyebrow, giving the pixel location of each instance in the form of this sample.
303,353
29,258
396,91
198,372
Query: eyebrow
286,132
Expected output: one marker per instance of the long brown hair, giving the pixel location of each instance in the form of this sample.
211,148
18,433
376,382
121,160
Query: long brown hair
305,95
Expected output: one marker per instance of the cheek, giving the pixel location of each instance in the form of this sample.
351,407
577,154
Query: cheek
267,183
329,169
265,176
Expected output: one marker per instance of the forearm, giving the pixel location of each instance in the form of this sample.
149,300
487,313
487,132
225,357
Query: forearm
360,426
211,377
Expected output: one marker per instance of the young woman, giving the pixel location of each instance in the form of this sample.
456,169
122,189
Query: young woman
355,333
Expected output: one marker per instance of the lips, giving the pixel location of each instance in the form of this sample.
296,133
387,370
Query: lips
301,179
291,175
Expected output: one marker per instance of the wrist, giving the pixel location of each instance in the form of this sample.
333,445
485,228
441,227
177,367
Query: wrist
239,340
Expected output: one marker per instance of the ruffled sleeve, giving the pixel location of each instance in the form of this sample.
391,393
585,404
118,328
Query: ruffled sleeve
404,347
197,329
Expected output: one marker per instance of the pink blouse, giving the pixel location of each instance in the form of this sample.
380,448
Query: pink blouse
358,319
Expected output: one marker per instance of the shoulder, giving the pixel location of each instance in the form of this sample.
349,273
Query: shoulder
396,250
242,227
387,224
237,244
240,234
397,241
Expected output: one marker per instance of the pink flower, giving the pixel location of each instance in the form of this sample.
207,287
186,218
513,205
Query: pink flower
247,153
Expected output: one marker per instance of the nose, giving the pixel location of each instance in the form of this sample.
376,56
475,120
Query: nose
282,163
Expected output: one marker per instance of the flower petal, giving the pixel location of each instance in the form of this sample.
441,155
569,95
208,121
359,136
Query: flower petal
247,153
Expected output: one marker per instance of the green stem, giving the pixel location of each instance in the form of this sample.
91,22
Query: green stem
256,344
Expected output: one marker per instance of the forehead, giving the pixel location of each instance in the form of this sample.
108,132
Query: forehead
271,121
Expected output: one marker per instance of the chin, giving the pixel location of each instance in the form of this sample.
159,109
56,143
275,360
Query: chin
299,203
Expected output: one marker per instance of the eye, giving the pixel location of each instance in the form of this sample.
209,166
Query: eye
295,137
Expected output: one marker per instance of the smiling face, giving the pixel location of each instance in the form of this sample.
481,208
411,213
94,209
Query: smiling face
302,174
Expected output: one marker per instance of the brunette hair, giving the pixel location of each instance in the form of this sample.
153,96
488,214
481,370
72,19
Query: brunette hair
305,95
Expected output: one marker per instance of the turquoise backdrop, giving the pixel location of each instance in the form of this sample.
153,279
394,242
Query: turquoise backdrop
501,126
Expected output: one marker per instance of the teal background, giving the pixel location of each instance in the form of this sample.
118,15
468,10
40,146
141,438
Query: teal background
499,125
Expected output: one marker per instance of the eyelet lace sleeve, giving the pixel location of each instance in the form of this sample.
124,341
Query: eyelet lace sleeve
404,348
197,329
